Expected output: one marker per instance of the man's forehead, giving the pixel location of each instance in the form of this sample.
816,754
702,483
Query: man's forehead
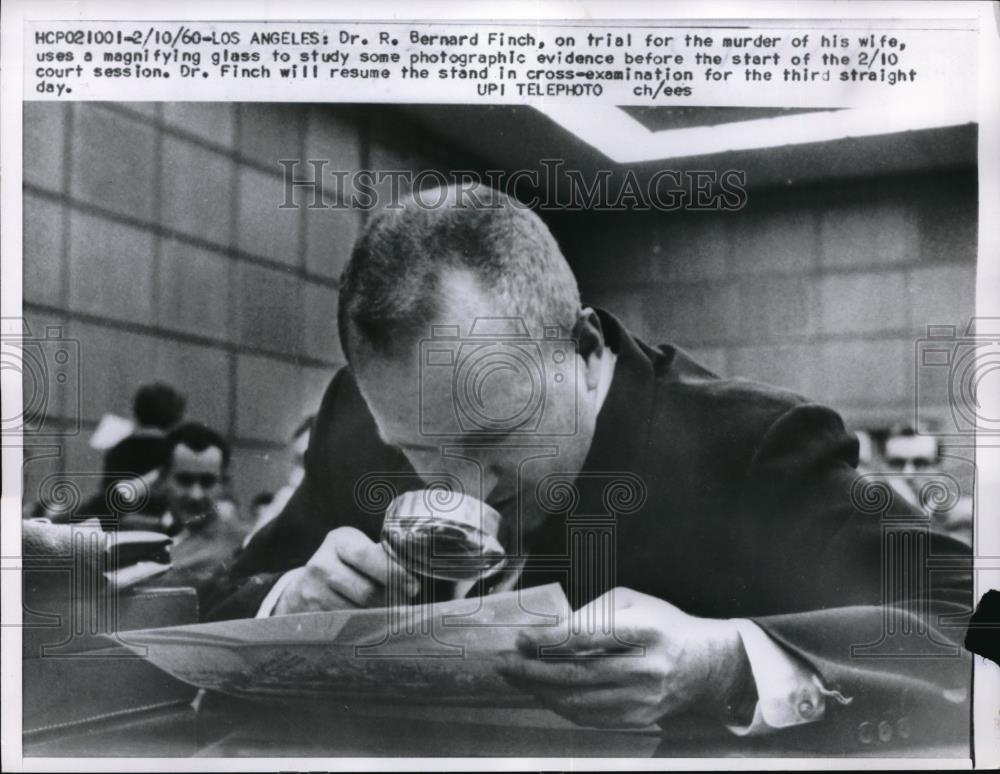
404,389
414,399
186,458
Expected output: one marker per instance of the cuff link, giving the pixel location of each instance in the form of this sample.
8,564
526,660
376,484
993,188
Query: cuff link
807,709
808,703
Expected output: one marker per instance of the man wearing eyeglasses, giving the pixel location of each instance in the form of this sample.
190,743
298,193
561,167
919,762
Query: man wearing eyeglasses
205,525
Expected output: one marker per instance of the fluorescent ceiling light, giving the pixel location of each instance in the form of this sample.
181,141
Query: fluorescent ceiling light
624,140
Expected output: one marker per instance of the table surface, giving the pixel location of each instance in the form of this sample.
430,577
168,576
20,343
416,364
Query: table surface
231,728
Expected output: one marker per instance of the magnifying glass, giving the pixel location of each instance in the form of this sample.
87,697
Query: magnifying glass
444,539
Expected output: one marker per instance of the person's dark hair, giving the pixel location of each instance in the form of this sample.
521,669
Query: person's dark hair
390,290
196,437
158,405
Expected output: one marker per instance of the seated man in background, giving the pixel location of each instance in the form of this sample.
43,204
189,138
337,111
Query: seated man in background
747,567
204,524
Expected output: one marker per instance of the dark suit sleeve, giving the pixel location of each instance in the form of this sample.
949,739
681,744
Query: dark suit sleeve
878,598
238,589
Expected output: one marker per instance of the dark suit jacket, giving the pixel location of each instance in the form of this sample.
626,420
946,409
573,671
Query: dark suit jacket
752,508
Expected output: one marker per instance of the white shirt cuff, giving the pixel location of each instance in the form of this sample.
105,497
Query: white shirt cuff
271,600
788,692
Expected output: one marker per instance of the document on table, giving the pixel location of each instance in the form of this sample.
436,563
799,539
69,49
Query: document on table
442,654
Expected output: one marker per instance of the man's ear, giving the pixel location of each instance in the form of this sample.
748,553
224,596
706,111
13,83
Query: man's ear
589,338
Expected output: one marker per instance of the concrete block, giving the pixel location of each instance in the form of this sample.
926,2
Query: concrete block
628,306
774,308
616,250
691,248
202,374
320,324
197,191
782,365
114,364
44,159
113,157
147,109
211,121
947,220
268,398
862,303
694,316
110,269
330,236
772,240
386,157
267,308
333,134
860,371
194,290
264,229
866,234
42,399
715,359
314,384
943,295
44,265
270,131
254,470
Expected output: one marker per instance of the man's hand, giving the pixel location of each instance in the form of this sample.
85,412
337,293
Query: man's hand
347,571
656,661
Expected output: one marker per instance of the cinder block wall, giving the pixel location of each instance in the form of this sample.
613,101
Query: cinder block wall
823,290
152,235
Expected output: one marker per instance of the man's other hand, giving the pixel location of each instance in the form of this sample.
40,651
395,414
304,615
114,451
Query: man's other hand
349,570
630,660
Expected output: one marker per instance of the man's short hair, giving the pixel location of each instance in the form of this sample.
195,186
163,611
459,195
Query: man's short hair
390,290
158,405
196,437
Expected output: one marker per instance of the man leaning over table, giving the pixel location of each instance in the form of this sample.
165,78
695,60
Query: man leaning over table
748,572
